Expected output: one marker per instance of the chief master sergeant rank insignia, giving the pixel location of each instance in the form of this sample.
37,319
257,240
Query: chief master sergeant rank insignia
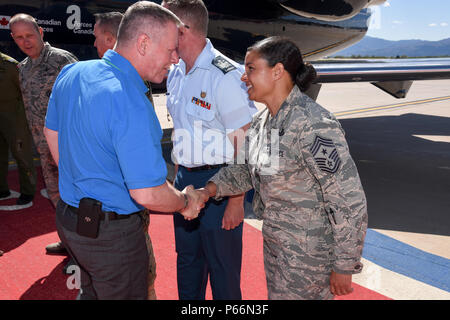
325,154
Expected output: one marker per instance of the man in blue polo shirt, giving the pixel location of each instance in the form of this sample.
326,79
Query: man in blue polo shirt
104,134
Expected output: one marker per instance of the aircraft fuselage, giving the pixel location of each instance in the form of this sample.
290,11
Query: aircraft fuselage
234,24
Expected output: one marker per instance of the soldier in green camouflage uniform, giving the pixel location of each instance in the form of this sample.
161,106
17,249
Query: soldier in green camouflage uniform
307,192
14,132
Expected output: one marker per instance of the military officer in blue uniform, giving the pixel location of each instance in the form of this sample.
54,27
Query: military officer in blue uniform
211,111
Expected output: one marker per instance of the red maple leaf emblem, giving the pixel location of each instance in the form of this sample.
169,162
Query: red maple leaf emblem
4,22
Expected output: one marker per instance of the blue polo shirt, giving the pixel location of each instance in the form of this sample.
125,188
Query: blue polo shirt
108,133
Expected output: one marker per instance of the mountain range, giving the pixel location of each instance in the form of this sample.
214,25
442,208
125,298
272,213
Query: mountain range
376,47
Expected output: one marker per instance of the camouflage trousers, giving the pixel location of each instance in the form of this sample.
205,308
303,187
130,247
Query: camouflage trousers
48,165
293,273
145,215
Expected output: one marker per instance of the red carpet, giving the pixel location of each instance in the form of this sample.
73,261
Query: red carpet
27,273
252,275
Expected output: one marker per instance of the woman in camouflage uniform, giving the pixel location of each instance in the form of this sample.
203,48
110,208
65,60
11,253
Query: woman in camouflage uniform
307,188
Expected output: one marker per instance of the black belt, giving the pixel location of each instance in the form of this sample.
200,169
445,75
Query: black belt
205,167
110,214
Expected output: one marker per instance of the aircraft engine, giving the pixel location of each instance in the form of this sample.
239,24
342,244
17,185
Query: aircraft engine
327,10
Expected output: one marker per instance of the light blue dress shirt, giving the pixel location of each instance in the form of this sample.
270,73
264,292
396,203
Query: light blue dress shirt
206,104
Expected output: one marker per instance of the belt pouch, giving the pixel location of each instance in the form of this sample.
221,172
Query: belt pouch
89,214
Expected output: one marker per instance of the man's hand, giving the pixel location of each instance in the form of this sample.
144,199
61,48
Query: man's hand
234,212
340,284
204,193
196,201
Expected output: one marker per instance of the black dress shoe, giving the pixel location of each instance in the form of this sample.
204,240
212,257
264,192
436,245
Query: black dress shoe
24,199
4,194
56,248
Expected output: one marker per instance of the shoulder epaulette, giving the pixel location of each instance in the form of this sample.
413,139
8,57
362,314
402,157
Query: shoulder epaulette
224,65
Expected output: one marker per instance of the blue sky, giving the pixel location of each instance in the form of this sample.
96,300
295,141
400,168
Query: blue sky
411,19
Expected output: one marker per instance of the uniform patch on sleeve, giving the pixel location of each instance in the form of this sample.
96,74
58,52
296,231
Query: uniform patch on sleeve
325,154
223,64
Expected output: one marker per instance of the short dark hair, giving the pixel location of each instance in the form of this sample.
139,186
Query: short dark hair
192,12
283,50
109,21
144,15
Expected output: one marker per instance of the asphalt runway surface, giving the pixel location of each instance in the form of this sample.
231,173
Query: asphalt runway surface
402,153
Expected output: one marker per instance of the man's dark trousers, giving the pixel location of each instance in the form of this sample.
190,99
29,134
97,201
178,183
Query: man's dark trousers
204,248
114,266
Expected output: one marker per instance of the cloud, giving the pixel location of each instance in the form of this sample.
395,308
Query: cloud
397,22
442,24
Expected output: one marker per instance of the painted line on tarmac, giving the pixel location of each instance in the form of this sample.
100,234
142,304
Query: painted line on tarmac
407,260
397,270
391,106
401,258
395,285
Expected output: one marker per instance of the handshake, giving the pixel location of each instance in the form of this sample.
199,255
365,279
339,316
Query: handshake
196,199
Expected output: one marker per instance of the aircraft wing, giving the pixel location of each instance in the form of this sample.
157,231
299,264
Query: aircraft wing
394,76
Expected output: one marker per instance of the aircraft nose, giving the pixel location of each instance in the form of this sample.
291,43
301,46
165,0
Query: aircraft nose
327,10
